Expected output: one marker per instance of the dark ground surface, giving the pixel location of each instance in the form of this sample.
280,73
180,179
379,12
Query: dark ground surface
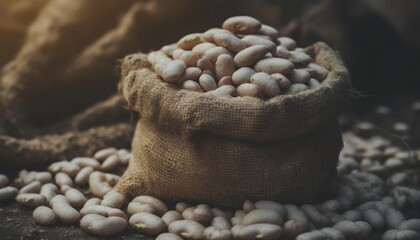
16,221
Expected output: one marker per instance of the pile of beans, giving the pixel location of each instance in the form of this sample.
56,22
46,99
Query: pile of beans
243,58
377,196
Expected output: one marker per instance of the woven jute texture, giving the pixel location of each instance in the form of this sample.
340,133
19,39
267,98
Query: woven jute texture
223,150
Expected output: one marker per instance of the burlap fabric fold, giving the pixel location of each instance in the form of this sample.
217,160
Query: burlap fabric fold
223,150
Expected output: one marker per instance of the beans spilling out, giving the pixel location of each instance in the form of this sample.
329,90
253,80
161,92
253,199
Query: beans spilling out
377,196
243,58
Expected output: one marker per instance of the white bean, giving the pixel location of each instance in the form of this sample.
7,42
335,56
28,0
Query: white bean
44,215
31,199
65,212
103,226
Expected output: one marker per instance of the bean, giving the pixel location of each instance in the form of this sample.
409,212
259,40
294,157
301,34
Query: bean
110,163
299,58
397,179
191,73
201,48
394,218
208,36
394,164
31,199
65,212
171,216
92,202
257,231
315,216
103,210
192,86
297,88
318,72
44,215
103,226
75,197
268,85
173,71
274,65
242,75
225,81
239,215
181,206
204,63
157,204
135,207
300,76
217,234
224,66
374,218
124,155
283,82
269,31
313,235
289,43
159,67
177,53
168,236
223,91
282,52
101,183
69,168
250,90
187,229
334,217
201,213
275,206
83,162
153,58
189,58
252,40
333,233
113,199
228,41
394,234
33,187
242,24
221,223
49,190
250,55
313,83
352,215
263,216
297,221
207,82
214,53
353,230
168,49
219,213
189,41
7,193
63,179
4,180
147,223
410,224
29,177
82,177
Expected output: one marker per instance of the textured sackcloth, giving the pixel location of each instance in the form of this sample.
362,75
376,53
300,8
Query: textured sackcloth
191,146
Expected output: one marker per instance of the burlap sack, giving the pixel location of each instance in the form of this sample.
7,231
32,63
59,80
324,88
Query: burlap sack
223,150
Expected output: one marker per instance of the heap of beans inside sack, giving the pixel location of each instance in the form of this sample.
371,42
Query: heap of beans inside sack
243,58
378,196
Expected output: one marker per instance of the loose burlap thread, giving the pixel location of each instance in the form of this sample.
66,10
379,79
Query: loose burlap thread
191,146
